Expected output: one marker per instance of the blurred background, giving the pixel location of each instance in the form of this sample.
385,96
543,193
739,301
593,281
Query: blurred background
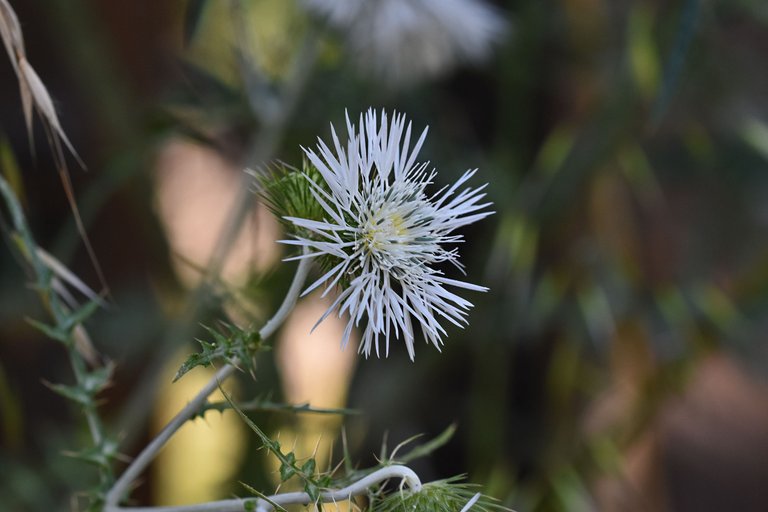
619,360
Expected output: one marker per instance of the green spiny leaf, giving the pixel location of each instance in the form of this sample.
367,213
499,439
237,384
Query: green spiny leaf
95,455
308,468
74,393
288,467
192,361
430,446
313,490
96,380
79,316
233,345
96,500
50,331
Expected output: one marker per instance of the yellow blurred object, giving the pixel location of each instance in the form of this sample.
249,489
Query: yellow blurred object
200,461
196,189
268,32
316,370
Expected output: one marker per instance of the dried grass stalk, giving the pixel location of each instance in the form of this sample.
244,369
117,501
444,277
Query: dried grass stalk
34,95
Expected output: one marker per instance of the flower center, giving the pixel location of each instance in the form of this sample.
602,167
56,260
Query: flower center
395,231
382,231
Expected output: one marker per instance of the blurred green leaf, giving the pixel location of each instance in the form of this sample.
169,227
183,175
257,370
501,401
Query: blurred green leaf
430,446
101,456
717,306
192,18
75,393
55,333
596,311
755,134
572,491
96,380
548,294
642,52
554,151
675,61
639,173
79,316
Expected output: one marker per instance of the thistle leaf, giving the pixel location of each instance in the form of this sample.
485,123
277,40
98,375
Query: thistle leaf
96,455
78,316
234,346
75,393
288,467
52,332
98,379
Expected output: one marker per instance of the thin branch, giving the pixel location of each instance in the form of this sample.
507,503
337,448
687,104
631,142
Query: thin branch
194,406
357,488
265,405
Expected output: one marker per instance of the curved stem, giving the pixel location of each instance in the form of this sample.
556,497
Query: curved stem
263,147
290,300
194,406
290,498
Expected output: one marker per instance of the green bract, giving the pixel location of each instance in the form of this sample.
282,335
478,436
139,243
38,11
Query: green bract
447,495
287,193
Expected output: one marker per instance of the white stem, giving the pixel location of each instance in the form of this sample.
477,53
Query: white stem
290,300
146,456
290,498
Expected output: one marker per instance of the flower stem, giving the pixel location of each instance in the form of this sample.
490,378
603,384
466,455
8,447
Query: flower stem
194,406
290,498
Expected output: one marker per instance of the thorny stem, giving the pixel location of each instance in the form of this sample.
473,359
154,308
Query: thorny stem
91,417
58,312
194,406
290,498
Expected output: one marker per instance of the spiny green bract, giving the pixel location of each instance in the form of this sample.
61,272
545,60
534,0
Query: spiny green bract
440,496
287,193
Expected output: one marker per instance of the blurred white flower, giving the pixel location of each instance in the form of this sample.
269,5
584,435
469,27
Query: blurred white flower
405,41
383,234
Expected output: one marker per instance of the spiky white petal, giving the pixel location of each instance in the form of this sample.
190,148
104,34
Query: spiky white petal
387,234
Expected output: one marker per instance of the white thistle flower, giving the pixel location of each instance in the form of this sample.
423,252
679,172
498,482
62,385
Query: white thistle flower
404,41
385,234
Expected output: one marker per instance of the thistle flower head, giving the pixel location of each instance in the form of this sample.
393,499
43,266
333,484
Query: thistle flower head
384,239
450,495
404,41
